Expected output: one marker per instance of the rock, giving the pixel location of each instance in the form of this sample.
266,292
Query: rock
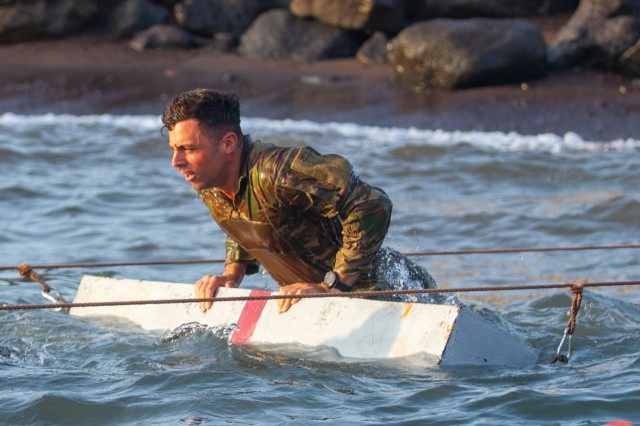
452,54
612,39
105,9
133,16
264,5
630,61
277,34
374,50
208,17
599,32
167,3
429,9
221,42
161,37
384,15
33,19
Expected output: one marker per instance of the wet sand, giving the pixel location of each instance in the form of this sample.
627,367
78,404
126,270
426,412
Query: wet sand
94,75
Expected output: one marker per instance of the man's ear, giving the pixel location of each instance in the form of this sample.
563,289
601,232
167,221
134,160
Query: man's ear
229,142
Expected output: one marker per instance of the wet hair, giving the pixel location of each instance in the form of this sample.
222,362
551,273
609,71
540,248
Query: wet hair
216,112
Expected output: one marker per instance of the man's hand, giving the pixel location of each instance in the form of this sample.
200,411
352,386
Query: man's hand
206,286
298,289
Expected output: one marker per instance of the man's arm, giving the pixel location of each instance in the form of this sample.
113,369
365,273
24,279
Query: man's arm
365,213
333,190
206,286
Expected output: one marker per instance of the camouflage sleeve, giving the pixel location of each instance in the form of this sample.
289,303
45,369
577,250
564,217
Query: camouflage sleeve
331,189
365,212
235,253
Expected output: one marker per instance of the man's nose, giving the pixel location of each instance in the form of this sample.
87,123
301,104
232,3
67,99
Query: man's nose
177,159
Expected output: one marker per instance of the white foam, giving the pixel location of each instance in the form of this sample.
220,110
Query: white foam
349,133
139,121
500,141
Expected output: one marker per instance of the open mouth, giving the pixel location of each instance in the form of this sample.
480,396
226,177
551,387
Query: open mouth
188,176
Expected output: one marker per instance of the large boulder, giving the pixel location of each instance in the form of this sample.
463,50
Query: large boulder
453,54
265,5
133,16
374,50
277,34
428,9
162,37
33,19
383,15
630,60
598,33
209,17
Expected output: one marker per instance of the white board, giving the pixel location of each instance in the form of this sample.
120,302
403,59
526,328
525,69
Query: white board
355,328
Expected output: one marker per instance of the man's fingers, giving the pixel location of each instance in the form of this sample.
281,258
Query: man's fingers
204,289
208,293
285,304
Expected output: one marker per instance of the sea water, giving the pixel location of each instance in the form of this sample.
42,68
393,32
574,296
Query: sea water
100,188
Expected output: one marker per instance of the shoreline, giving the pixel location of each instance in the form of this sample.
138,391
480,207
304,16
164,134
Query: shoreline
91,74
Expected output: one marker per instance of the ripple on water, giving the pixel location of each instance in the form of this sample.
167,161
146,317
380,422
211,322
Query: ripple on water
101,188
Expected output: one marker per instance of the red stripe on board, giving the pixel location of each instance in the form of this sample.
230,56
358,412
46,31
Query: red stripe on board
249,318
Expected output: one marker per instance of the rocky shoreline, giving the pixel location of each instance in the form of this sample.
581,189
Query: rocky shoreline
527,66
92,74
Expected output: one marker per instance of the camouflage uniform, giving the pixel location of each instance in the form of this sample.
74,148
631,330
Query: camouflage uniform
301,214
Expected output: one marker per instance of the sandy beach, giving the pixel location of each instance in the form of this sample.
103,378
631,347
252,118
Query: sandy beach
91,74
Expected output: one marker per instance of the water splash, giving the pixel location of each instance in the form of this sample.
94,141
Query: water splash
223,332
393,271
12,355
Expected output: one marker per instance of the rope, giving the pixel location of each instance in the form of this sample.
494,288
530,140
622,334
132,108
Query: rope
571,326
26,271
419,253
362,294
575,307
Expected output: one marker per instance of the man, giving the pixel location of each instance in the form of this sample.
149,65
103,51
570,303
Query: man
306,217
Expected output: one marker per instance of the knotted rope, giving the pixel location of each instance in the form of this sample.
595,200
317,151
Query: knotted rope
571,324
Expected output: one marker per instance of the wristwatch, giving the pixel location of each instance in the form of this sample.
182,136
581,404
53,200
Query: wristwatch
331,280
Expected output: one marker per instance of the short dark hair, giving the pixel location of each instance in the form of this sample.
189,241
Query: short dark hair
215,111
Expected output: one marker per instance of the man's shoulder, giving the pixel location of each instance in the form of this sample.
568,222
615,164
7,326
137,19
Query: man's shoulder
267,159
265,154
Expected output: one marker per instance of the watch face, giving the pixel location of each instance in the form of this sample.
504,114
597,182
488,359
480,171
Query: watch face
330,279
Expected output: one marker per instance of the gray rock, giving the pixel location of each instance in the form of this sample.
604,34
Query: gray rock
630,61
613,38
32,19
428,9
264,5
167,3
208,17
279,34
452,54
133,16
384,15
221,42
374,50
161,37
597,34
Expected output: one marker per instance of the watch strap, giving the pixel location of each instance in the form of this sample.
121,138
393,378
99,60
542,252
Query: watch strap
332,280
342,286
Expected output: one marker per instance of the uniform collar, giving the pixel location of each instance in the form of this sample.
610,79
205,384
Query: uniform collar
245,161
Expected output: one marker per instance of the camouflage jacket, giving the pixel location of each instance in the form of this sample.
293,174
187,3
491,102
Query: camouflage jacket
300,214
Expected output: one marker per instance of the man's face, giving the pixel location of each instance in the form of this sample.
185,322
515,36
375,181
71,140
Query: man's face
197,155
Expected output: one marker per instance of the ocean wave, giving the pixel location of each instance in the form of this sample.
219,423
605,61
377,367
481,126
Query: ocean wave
50,119
350,133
